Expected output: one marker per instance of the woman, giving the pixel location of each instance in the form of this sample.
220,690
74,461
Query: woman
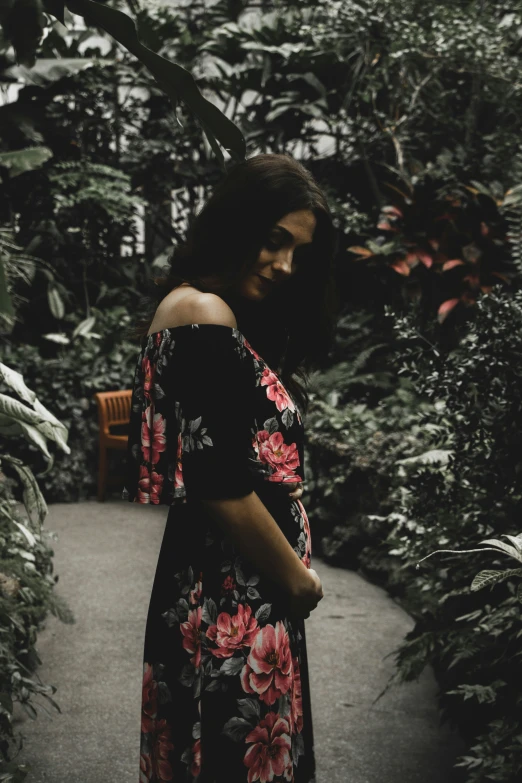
217,434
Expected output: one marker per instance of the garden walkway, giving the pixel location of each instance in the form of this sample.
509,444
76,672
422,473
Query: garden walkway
105,557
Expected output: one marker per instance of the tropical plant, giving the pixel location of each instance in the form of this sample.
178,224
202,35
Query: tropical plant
465,486
489,578
455,237
26,569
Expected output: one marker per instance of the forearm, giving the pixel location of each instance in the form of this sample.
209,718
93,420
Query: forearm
259,538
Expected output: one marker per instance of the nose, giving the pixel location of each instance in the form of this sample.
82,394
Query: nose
282,265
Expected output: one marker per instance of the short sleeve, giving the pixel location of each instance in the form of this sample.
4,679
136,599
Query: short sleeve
213,382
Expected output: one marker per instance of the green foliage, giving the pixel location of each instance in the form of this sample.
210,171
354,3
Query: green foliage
24,160
360,421
92,187
447,483
474,644
402,93
26,569
74,369
24,22
456,242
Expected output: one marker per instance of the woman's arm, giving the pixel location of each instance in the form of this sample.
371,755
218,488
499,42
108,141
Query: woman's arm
260,539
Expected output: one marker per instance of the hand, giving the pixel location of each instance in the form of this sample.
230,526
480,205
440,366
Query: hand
306,598
297,490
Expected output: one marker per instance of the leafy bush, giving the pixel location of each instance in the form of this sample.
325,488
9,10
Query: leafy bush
26,569
66,377
471,492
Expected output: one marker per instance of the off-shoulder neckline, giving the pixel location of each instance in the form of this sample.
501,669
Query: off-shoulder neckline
184,326
236,332
221,326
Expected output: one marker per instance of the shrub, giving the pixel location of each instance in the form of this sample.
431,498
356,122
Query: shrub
26,569
471,492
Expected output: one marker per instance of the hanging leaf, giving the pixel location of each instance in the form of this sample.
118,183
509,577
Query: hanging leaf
177,82
55,8
56,305
32,497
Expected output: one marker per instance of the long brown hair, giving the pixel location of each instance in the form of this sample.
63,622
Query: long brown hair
293,327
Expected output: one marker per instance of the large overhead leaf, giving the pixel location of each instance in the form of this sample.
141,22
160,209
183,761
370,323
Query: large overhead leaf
177,82
55,8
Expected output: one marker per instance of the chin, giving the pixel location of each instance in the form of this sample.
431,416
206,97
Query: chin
252,288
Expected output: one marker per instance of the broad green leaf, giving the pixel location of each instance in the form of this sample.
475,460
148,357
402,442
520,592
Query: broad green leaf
485,578
85,326
18,411
32,497
428,457
57,337
27,533
19,161
57,433
509,550
515,540
177,82
34,436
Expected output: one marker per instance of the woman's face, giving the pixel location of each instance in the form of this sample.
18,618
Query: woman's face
279,259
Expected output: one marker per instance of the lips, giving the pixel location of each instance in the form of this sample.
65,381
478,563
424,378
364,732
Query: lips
266,280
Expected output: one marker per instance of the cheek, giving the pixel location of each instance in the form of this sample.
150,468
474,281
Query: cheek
264,256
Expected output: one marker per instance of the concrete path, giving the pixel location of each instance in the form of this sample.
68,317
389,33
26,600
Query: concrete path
105,556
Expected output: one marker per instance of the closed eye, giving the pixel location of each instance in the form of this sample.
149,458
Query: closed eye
299,254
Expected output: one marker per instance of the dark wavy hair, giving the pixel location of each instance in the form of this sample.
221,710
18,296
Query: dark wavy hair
293,327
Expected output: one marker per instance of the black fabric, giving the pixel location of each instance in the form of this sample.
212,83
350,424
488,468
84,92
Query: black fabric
226,696
216,395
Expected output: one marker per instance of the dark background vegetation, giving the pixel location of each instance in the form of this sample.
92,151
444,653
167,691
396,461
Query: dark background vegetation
409,116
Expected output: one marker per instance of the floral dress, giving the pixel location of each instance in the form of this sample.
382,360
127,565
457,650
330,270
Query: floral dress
225,676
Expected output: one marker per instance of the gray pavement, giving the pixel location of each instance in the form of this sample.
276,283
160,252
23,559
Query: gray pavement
105,556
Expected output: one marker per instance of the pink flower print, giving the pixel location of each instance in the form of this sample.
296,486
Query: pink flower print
252,351
149,486
228,586
149,699
195,594
178,475
145,768
282,457
296,703
232,632
307,557
162,745
153,439
276,391
147,370
191,630
270,754
268,668
195,767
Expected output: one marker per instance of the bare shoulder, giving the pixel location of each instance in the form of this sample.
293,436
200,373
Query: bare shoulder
192,307
211,309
